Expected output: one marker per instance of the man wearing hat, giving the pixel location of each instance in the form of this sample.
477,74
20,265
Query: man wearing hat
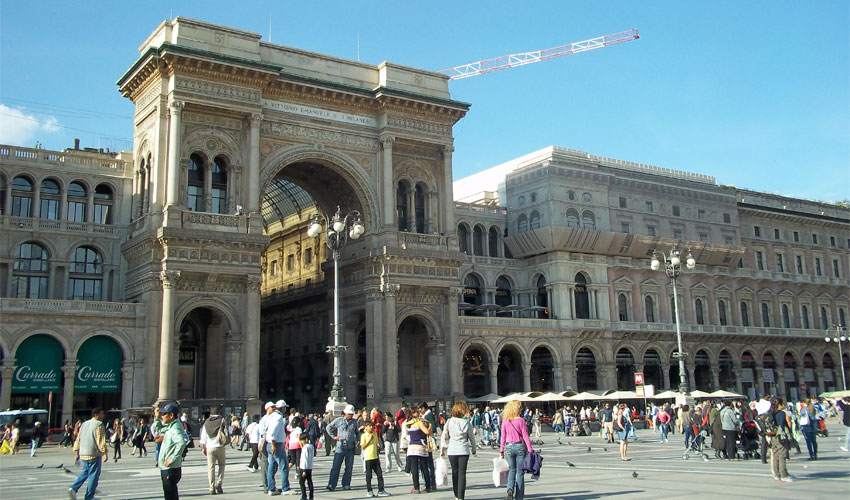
171,452
275,439
264,455
343,430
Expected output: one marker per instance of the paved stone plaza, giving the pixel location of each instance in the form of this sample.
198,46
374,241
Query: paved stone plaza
599,473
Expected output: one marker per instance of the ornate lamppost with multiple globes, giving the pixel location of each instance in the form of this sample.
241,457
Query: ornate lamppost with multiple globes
673,267
839,339
339,229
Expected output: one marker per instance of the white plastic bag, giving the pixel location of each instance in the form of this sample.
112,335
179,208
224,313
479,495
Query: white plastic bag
440,470
500,472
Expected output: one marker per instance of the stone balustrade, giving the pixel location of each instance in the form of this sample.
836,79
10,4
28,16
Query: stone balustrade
52,225
64,158
83,307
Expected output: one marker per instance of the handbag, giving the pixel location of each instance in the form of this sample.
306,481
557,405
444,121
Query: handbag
431,445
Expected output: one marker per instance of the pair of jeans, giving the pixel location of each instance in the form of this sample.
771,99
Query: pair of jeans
390,451
429,467
170,478
811,440
33,446
90,473
514,455
374,466
689,435
277,460
417,465
729,437
662,431
459,463
340,455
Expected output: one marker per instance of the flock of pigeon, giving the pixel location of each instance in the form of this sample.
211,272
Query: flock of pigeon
589,450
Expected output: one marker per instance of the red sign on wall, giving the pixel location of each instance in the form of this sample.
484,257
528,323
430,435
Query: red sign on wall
638,378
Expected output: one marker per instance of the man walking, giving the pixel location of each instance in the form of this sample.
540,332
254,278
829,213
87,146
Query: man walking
428,415
213,439
37,438
171,452
343,430
275,438
608,422
89,446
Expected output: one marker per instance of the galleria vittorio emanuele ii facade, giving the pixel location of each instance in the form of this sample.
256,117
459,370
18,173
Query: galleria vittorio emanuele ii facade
183,270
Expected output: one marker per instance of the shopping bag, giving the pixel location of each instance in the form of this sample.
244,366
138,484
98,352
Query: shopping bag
5,448
440,470
500,472
319,443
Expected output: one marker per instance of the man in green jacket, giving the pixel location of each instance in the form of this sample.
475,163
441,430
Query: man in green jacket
171,452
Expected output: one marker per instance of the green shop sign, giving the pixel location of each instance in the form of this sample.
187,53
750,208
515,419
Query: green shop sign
38,365
98,366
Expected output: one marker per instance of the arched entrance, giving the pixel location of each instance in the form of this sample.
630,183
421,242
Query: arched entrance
202,369
653,373
472,293
790,370
582,298
476,373
586,379
768,365
748,376
413,372
726,368
38,373
702,371
542,370
97,381
503,295
625,370
509,376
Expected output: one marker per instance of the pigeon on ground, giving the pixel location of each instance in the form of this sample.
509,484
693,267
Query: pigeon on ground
588,449
571,464
68,471
559,441
39,466
569,443
604,449
634,474
59,466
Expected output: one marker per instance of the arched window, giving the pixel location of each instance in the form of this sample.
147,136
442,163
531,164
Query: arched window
588,220
49,200
841,318
721,310
521,201
542,298
195,200
3,188
534,220
472,293
649,305
29,277
623,307
804,316
22,197
77,200
786,320
522,224
698,312
419,208
582,297
572,218
493,241
478,241
824,319
533,197
463,238
503,294
765,314
86,275
218,189
103,204
745,315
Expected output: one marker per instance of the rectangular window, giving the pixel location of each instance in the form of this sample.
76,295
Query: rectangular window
622,202
625,227
817,267
308,257
29,287
780,265
701,214
219,200
727,218
741,263
760,261
290,262
676,211
796,237
776,234
84,289
835,272
21,206
274,268
799,265
196,199
729,240
650,230
102,214
76,211
757,231
50,209
649,207
831,240
703,237
814,239
677,234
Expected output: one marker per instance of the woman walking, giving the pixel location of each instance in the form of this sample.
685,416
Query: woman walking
809,427
391,437
141,437
515,445
624,426
535,422
779,443
458,441
418,429
235,431
116,435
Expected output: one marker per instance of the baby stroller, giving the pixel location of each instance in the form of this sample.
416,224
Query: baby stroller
750,440
697,446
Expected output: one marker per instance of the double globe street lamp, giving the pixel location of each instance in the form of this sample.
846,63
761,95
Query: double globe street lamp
339,229
673,267
839,339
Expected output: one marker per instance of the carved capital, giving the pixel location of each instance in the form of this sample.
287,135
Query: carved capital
447,151
255,119
253,281
169,279
69,370
387,141
390,289
7,372
127,372
176,107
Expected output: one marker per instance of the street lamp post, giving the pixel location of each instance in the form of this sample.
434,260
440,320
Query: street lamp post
339,229
673,267
839,339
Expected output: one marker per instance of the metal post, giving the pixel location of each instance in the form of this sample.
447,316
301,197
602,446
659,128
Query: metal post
337,391
683,381
840,356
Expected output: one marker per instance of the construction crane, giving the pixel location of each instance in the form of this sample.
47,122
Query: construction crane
522,58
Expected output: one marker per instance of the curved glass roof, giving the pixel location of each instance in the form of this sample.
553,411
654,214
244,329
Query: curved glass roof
283,198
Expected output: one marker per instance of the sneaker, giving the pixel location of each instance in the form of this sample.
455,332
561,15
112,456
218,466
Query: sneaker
510,494
273,493
400,469
788,479
72,494
776,478
843,448
370,494
382,493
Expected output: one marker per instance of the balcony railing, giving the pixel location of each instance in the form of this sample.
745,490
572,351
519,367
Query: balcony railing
31,224
74,307
65,158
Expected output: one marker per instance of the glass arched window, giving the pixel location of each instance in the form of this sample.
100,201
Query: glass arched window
218,189
745,315
419,208
542,298
588,220
103,201
786,320
841,318
623,307
824,319
533,197
721,310
765,315
804,316
493,241
86,275
29,276
49,200
582,297
649,305
22,197
572,218
472,293
478,241
463,238
521,201
534,220
522,224
503,294
77,199
698,312
195,181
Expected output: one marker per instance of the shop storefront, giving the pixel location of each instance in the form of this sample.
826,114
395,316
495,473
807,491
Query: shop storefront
37,381
97,380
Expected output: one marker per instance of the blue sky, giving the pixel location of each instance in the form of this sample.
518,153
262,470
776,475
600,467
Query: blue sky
755,93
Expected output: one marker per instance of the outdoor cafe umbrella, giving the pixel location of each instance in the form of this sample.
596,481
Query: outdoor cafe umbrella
585,396
485,398
720,393
620,395
551,396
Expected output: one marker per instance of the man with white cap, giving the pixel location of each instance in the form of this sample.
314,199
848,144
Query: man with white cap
264,456
343,430
275,438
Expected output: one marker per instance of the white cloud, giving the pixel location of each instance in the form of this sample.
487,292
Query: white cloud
17,128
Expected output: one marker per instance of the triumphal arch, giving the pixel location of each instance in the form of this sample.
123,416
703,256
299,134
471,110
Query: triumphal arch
237,143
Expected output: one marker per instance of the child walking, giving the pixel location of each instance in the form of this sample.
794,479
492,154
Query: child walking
305,466
369,445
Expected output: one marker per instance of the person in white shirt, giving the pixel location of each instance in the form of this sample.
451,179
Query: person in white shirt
261,445
213,432
252,434
275,439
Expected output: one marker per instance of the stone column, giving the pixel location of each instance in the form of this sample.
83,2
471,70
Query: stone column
819,373
447,221
715,379
610,376
207,201
7,371
90,206
35,211
127,389
559,383
454,364
526,376
759,380
167,360
494,376
387,186
390,290
252,202
665,375
375,345
251,354
233,357
779,374
800,373
69,370
175,136
692,378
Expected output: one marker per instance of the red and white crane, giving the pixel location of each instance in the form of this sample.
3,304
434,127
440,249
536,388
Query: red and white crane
522,58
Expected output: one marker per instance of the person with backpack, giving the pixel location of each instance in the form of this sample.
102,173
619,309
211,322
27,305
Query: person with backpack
214,437
776,427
